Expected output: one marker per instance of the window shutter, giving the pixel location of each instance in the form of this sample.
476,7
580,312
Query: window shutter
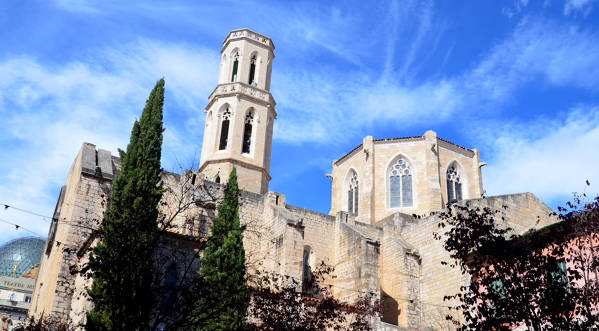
234,75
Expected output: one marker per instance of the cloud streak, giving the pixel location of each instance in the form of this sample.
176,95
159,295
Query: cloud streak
50,110
537,51
551,159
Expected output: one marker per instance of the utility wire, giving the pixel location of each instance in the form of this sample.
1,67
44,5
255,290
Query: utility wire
18,226
45,218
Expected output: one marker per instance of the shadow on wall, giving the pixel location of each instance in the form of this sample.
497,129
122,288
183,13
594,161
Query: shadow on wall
390,309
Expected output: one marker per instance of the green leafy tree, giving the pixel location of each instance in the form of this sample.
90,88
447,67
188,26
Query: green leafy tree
544,279
223,292
121,264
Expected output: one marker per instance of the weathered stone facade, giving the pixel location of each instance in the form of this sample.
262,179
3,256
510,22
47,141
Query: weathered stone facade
374,247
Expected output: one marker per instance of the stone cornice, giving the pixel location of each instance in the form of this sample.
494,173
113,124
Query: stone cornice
348,155
455,147
243,90
249,35
237,162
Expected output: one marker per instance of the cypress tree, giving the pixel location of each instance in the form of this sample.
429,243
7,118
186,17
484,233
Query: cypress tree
223,293
121,264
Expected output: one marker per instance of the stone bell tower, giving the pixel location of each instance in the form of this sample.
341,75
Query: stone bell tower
241,113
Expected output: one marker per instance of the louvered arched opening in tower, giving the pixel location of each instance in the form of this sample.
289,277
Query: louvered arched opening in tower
400,184
247,132
235,67
454,184
224,129
251,80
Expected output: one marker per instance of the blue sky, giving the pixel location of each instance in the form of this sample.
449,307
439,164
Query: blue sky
517,79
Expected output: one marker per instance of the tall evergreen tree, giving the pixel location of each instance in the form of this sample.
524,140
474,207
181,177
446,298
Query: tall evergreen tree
223,293
121,264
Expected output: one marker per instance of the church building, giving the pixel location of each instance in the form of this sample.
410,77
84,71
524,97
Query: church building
385,198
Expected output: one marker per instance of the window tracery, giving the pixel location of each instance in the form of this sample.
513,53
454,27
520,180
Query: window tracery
352,193
400,184
224,131
454,184
247,132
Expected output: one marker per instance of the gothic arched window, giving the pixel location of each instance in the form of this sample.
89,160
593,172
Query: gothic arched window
454,184
252,70
247,132
235,67
352,193
224,129
400,184
307,275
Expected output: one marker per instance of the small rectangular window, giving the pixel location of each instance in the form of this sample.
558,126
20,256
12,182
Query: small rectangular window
560,276
498,290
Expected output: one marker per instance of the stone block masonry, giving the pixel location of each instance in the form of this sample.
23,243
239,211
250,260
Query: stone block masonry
378,235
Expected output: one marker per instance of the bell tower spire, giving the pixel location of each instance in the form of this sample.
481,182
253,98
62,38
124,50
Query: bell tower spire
241,113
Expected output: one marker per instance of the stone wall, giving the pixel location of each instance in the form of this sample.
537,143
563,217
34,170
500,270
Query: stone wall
78,213
420,281
275,238
396,258
429,158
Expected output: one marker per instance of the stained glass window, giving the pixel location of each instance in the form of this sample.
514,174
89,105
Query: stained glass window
454,185
352,193
400,185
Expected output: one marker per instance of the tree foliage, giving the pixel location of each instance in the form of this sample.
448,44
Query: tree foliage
522,280
121,264
222,285
281,303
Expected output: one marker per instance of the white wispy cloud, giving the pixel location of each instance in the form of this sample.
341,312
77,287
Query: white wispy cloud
50,110
553,53
82,6
550,158
329,104
517,7
572,7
